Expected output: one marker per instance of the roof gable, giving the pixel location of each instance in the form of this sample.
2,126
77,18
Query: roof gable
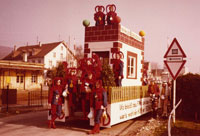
40,51
35,51
45,49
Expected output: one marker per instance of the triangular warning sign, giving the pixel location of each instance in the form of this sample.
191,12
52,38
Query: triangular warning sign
174,67
175,50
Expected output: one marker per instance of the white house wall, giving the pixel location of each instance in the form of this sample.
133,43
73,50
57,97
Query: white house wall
106,46
132,82
50,56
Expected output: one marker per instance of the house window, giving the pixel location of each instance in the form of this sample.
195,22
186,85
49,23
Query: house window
18,77
54,54
39,61
22,79
131,65
61,56
34,78
50,63
61,47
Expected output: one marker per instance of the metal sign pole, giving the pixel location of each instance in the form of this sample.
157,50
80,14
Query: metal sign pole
174,101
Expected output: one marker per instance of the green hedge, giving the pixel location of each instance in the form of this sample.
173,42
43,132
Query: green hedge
188,89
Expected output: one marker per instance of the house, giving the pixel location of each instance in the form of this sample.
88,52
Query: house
49,54
21,75
107,39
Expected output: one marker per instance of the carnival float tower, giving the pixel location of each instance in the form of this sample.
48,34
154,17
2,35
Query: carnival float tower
108,37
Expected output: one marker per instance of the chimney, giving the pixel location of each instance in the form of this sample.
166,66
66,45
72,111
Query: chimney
25,56
40,44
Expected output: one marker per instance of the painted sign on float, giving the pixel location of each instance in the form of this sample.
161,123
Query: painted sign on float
126,110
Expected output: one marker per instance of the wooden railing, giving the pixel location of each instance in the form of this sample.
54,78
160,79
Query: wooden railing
118,94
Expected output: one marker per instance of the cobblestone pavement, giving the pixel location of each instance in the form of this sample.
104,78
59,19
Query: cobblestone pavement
35,124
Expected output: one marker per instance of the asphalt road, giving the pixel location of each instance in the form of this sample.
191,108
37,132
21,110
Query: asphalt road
35,124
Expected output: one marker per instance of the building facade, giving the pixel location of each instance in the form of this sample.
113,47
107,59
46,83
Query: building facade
107,39
21,75
49,54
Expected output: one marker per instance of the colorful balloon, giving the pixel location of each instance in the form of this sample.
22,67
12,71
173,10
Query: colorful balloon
142,33
86,23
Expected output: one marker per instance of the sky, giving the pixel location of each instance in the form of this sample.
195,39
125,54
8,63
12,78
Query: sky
25,22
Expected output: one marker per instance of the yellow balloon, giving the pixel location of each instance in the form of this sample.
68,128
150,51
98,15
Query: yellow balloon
142,33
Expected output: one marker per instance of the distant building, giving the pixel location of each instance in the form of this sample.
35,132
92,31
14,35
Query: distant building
49,54
21,75
147,72
157,74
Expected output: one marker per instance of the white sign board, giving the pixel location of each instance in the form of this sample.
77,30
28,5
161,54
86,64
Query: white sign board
126,110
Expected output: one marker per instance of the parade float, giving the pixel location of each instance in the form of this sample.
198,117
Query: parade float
123,50
107,39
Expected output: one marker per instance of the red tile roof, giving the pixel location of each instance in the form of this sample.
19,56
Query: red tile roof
45,49
41,51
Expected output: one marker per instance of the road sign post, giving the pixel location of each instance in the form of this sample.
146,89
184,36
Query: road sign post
174,101
174,63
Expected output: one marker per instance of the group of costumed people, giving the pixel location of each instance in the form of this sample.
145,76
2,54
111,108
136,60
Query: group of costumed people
156,95
111,17
84,83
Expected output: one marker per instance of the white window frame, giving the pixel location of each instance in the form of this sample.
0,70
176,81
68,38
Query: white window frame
131,65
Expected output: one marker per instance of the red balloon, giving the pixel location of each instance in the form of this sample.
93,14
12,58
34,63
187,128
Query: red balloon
118,19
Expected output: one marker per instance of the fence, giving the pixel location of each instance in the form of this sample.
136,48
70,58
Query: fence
26,98
37,98
118,94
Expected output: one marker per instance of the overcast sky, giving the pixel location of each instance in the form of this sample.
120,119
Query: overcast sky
22,21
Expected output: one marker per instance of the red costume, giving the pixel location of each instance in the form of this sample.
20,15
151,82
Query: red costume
99,16
87,84
98,103
97,66
56,100
111,15
118,67
154,93
72,82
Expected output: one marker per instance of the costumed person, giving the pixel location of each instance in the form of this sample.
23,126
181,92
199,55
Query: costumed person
154,93
72,88
111,15
78,84
98,104
164,100
86,89
118,67
99,16
55,101
97,66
